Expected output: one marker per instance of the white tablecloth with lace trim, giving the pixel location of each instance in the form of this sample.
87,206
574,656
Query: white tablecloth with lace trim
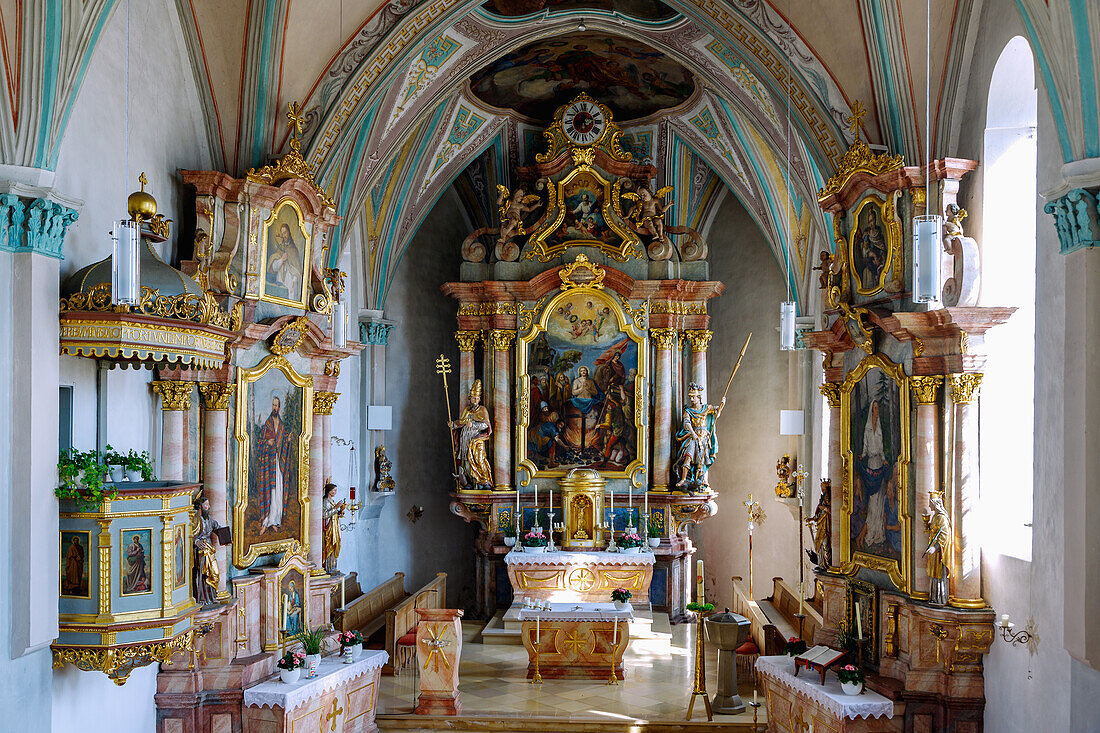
332,673
577,612
567,557
829,696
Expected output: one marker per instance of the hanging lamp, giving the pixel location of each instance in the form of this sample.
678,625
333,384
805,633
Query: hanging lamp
928,228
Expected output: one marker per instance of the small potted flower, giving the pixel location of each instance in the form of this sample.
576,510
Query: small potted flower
851,679
351,643
81,477
290,667
654,529
630,542
795,646
508,529
621,596
534,540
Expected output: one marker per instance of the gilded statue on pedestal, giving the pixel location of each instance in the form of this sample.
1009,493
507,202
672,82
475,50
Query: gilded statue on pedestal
383,481
649,211
698,441
333,510
206,578
938,553
512,206
785,487
820,524
473,430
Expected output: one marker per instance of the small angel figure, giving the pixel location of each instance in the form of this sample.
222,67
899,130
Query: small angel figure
826,269
952,226
513,206
649,211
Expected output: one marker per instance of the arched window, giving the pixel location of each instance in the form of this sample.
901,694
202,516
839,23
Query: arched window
1007,429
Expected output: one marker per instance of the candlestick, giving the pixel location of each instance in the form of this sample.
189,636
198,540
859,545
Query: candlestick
282,616
538,630
859,624
612,512
801,596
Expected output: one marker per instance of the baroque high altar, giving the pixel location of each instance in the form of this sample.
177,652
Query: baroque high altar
575,318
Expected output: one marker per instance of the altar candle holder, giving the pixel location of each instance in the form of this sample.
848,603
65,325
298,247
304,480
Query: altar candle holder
755,709
611,546
861,641
537,679
550,534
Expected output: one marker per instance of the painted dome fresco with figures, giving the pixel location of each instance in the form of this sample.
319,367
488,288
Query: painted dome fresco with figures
634,80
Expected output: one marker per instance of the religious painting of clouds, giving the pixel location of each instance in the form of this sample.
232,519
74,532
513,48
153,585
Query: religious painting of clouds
273,428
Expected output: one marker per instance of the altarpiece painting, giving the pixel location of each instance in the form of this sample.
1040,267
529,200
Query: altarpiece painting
874,246
285,257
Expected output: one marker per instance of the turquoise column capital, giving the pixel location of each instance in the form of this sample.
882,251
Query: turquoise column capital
34,225
374,333
1076,219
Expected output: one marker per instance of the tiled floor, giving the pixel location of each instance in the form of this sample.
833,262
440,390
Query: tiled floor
493,681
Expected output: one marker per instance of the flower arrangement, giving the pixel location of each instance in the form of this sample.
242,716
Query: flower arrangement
622,595
655,524
849,674
312,639
795,646
350,638
291,660
534,538
630,540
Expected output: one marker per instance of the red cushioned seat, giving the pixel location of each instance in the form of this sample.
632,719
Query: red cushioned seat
408,639
749,647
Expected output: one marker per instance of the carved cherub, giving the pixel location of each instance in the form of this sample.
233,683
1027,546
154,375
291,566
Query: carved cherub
953,226
649,211
513,206
826,270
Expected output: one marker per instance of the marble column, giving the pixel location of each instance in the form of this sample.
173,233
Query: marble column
836,473
925,469
215,436
699,340
500,342
966,587
467,342
323,402
322,406
663,340
175,398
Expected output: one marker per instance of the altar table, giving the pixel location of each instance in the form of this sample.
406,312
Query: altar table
342,697
795,703
579,576
576,640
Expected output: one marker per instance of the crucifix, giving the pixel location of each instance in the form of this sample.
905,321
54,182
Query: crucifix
853,122
800,476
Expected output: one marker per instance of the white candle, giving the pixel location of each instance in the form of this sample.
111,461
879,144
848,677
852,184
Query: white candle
630,499
536,504
612,510
551,508
538,631
645,507
859,624
615,638
699,581
801,595
1004,619
754,702
516,518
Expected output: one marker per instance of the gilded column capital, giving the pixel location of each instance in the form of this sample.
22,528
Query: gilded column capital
924,388
500,340
965,387
832,393
467,340
216,395
173,395
663,338
323,402
699,338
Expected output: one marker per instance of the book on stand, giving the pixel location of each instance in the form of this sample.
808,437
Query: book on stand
818,659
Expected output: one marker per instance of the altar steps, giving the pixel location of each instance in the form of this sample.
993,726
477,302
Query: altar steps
507,724
504,627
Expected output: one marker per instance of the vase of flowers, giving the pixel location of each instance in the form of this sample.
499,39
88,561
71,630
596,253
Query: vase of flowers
851,679
795,646
630,542
290,667
621,596
351,643
534,540
311,641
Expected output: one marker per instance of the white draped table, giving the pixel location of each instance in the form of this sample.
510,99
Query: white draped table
575,640
795,700
568,576
342,697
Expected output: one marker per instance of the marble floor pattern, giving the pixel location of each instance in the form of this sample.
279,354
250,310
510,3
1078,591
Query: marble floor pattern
657,687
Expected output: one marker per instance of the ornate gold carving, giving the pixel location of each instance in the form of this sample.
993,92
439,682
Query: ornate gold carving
965,387
138,340
890,638
663,338
859,159
487,309
499,339
832,393
323,402
290,336
679,307
467,340
215,395
173,395
698,338
185,306
332,368
918,346
924,389
570,278
583,156
639,315
117,662
291,165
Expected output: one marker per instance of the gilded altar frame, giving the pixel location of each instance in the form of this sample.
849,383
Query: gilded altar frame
635,471
244,552
887,213
900,573
307,262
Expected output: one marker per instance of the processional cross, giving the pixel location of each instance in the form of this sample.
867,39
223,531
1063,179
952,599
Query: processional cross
296,124
756,516
853,122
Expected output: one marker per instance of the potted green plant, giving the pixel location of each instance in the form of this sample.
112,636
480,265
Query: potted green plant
351,643
654,530
621,596
851,679
508,529
534,540
116,464
81,479
139,466
700,608
630,542
312,640
290,666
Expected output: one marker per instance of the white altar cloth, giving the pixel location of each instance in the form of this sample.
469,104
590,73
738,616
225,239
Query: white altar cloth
576,612
331,673
569,557
830,696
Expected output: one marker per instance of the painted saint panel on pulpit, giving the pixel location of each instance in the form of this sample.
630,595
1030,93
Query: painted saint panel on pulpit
136,579
75,558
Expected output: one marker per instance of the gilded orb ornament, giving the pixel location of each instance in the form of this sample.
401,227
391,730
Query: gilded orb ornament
140,204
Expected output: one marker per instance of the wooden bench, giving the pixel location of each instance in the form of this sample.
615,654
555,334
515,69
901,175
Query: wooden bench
402,619
784,599
367,611
768,637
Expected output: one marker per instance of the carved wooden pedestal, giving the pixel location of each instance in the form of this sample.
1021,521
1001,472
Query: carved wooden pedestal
438,650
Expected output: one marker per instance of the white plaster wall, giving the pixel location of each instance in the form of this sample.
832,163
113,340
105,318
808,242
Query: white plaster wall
748,432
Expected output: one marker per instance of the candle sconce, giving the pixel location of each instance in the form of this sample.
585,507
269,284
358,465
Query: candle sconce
1028,635
354,505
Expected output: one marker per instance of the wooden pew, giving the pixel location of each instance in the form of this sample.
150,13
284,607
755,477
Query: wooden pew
769,638
401,618
367,611
784,599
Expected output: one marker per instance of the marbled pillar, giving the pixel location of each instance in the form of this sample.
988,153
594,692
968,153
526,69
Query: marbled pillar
500,343
323,402
966,589
699,340
663,340
836,471
215,399
467,342
322,408
925,447
175,398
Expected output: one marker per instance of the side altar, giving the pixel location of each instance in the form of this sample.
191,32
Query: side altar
576,318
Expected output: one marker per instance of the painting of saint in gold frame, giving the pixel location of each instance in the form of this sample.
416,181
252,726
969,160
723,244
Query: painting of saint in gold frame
285,256
875,522
294,600
584,370
874,246
76,557
274,421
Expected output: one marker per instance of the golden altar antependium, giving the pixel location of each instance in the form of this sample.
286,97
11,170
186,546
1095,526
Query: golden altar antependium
575,640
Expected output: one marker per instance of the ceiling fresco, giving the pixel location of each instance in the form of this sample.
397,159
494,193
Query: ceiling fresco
634,80
641,9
